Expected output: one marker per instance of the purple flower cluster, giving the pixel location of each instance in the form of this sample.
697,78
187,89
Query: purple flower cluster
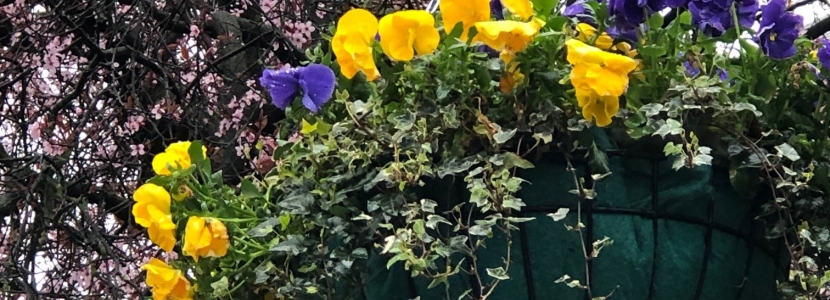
714,17
634,12
779,29
315,81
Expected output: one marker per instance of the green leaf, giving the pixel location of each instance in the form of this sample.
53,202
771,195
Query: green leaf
503,136
308,128
418,227
685,18
249,190
220,287
285,220
512,160
498,273
652,51
292,244
655,21
263,228
544,8
263,272
198,158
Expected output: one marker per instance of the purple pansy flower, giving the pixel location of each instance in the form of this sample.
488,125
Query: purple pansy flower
714,16
316,82
691,70
779,29
722,74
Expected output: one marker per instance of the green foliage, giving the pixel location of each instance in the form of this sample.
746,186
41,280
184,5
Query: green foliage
355,179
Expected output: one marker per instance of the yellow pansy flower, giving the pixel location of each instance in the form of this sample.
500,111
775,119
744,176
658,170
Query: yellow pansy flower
152,211
402,31
521,8
175,157
166,283
352,43
205,237
508,37
599,78
814,55
586,33
466,12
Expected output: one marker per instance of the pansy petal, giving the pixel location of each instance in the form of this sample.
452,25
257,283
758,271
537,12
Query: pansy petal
281,85
317,82
772,11
521,8
427,40
359,21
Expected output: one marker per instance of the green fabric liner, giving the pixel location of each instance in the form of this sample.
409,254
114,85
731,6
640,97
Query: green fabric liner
628,263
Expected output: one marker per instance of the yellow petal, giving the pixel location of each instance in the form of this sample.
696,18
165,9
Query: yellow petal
466,12
358,21
165,239
152,194
426,39
521,8
344,59
587,33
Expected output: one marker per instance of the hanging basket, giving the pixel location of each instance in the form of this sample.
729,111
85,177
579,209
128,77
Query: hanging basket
676,235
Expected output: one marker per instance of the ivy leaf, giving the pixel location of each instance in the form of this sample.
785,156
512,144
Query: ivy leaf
559,214
308,128
220,287
788,151
498,273
482,230
652,109
285,220
747,106
503,136
512,160
292,244
263,228
263,272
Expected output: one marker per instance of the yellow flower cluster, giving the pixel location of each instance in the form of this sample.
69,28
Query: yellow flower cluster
406,33
402,35
203,237
599,78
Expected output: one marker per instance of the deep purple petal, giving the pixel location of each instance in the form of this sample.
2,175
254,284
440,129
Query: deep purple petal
575,9
675,3
772,12
491,53
747,9
497,9
824,54
722,74
282,86
317,82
